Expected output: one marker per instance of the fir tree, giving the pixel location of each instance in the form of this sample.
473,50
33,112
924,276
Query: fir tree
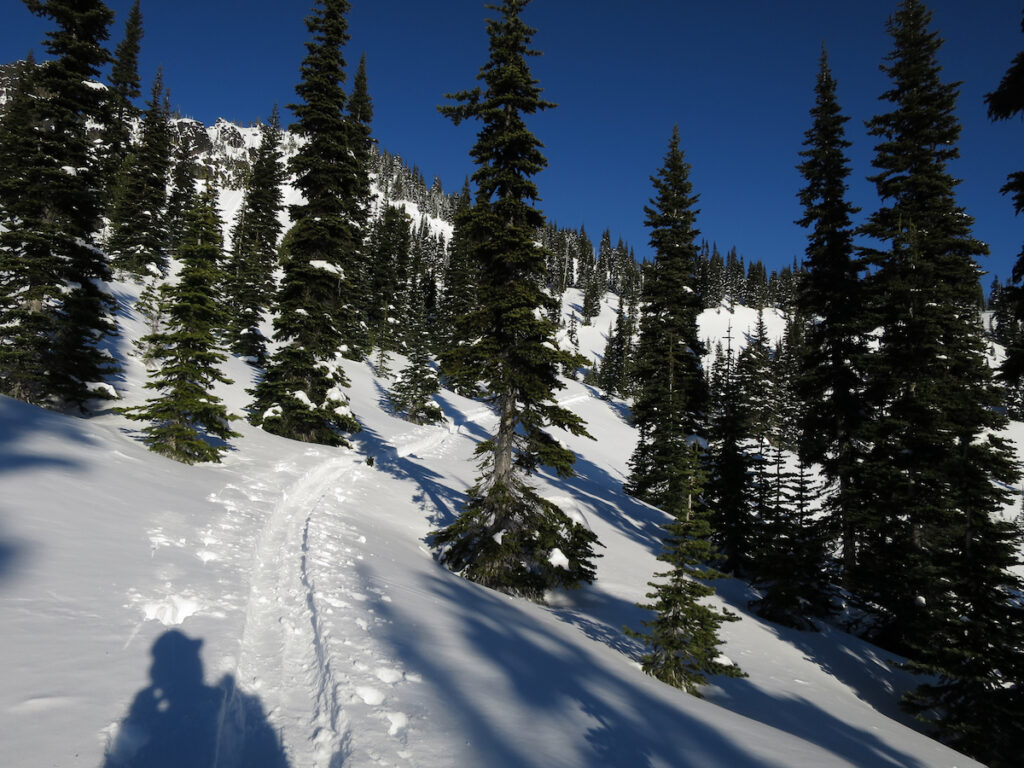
616,364
125,87
250,280
138,227
182,196
508,537
729,489
831,294
187,421
937,557
56,309
683,637
593,292
388,248
459,364
671,390
1003,103
413,393
301,395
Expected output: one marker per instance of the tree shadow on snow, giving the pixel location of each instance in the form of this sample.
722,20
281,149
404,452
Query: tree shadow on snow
856,664
179,721
19,420
593,716
437,499
594,486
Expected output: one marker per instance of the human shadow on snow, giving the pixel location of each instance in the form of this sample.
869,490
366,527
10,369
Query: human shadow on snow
531,669
179,721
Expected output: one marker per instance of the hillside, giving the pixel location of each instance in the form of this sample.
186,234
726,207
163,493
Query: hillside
325,622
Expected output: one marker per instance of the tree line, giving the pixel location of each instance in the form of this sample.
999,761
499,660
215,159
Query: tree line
851,472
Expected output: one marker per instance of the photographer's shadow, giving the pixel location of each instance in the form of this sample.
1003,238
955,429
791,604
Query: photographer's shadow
179,721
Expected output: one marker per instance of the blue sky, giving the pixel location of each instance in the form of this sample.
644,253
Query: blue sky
737,76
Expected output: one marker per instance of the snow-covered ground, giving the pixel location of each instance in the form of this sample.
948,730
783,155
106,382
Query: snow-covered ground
283,609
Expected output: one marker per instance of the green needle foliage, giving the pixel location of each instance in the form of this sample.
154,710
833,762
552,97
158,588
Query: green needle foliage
187,422
508,537
683,637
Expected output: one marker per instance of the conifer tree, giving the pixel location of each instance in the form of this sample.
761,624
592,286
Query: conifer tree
182,196
125,87
301,395
388,248
413,393
671,390
615,376
187,421
56,309
937,556
508,537
459,365
831,295
729,488
138,227
250,280
593,292
683,637
1005,102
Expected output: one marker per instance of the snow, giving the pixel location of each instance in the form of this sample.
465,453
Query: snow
323,616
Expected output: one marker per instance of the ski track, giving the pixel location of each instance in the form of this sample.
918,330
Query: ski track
308,648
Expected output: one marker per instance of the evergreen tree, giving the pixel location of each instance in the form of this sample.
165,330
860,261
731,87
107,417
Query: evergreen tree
138,227
831,294
413,393
360,116
56,309
388,248
182,196
187,421
301,395
125,87
937,556
593,292
459,366
683,637
671,390
250,280
508,537
616,365
729,488
1003,103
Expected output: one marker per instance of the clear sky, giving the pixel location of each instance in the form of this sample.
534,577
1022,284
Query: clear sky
736,75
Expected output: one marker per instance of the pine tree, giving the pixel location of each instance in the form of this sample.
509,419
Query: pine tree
459,365
138,227
182,196
56,309
729,487
413,393
125,87
301,395
937,556
593,292
671,390
388,249
615,376
1003,103
508,537
831,294
187,421
250,280
683,637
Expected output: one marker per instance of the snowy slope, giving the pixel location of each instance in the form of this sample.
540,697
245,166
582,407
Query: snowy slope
326,625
